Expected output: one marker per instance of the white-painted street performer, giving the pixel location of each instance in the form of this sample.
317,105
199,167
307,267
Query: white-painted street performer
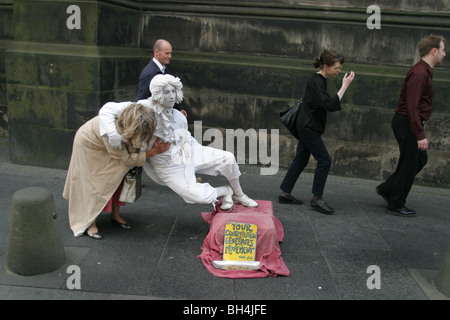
176,168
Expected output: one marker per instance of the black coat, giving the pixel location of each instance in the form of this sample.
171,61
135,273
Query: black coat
147,74
312,118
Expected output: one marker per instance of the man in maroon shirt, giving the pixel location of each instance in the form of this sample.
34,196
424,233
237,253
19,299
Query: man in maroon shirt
413,109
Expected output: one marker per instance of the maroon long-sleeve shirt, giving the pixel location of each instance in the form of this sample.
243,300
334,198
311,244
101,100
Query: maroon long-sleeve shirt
416,99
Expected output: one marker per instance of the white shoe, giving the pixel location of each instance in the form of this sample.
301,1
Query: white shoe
245,201
227,201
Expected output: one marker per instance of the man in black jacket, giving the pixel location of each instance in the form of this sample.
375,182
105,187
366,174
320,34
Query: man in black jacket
162,53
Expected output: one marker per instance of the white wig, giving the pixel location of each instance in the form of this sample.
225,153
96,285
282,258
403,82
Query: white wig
159,82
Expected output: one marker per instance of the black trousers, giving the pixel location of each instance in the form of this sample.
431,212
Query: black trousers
306,148
411,162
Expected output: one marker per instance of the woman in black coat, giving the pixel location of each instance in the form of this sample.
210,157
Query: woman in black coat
311,124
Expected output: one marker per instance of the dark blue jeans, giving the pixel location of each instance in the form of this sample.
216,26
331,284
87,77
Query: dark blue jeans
306,148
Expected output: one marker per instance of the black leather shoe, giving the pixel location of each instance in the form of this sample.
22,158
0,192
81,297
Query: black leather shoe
321,206
380,193
402,212
290,200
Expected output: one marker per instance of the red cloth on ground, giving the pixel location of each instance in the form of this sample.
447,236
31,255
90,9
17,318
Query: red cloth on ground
270,233
114,199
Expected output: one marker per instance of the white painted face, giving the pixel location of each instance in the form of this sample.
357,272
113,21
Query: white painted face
169,96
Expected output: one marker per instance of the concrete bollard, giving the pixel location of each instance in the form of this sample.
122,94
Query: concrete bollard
35,244
442,280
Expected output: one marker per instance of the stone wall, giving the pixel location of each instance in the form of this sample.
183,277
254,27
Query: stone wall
6,35
57,77
241,63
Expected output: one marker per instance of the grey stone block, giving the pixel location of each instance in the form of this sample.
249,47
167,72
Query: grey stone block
442,280
35,244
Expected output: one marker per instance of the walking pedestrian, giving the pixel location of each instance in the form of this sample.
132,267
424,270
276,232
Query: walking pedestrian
311,122
414,107
162,54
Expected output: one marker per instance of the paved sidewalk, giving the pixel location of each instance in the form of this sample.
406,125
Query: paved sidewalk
328,255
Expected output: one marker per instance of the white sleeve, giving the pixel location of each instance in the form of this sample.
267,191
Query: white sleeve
108,114
146,103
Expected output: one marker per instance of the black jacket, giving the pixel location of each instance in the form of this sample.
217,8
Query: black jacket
147,74
317,102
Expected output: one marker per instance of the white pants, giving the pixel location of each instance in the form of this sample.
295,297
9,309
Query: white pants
204,160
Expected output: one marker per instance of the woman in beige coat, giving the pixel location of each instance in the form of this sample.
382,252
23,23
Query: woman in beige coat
96,169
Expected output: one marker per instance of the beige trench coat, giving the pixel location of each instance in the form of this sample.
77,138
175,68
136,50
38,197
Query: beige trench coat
95,172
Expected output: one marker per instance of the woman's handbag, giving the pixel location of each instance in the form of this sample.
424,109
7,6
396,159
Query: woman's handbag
132,185
289,118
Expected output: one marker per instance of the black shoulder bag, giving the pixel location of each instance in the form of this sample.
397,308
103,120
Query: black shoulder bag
289,118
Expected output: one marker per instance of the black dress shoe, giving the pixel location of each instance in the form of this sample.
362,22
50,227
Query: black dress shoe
380,193
402,212
289,199
321,206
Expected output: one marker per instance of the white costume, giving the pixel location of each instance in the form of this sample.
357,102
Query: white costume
176,168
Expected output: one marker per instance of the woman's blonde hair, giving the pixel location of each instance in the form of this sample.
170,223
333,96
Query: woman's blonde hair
137,124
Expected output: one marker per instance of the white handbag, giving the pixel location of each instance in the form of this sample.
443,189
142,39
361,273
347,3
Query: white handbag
132,185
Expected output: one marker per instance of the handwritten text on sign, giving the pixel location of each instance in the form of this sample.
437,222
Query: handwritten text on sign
240,241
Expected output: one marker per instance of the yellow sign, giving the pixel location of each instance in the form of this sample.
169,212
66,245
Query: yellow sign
240,242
